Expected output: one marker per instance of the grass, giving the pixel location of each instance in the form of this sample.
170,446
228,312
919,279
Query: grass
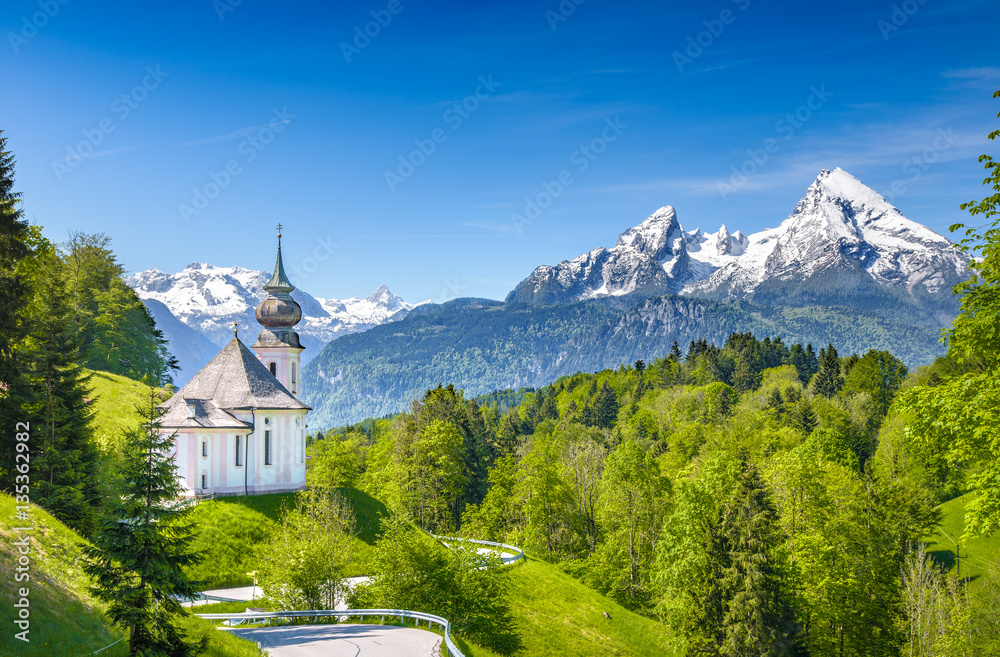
976,556
65,619
558,615
114,399
229,529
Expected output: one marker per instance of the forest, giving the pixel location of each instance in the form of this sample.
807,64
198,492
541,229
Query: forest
759,498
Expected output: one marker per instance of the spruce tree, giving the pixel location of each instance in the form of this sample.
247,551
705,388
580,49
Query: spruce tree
13,299
605,407
63,456
757,622
675,352
828,380
143,543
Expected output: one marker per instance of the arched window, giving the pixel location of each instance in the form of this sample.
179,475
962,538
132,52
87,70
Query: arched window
274,368
293,377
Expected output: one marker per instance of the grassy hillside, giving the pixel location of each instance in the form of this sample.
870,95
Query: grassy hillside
65,618
230,528
114,398
557,615
976,557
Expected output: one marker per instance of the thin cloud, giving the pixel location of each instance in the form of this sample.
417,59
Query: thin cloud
973,73
242,132
503,228
113,151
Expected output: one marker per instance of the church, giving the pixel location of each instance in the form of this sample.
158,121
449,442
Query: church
239,423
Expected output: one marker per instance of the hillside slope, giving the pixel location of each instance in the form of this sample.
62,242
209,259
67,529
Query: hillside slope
557,615
65,619
481,345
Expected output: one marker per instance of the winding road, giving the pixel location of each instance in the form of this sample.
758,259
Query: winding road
344,640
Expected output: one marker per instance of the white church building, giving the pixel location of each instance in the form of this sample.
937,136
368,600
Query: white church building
240,426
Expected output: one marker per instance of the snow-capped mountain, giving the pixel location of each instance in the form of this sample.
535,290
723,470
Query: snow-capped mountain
843,241
209,299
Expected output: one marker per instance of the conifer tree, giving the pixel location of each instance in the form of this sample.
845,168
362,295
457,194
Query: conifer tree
828,380
605,407
143,542
675,352
757,621
64,458
804,361
13,298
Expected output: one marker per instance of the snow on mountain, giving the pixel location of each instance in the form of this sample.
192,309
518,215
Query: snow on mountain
209,299
841,222
839,226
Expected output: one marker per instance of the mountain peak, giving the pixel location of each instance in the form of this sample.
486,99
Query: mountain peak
655,236
841,231
381,294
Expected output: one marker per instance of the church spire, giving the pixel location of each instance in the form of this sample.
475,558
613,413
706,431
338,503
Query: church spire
278,312
279,281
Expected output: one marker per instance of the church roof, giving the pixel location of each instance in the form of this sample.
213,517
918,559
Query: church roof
234,380
206,415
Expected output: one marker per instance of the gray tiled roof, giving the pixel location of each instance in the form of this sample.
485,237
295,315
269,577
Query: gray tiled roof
234,380
206,414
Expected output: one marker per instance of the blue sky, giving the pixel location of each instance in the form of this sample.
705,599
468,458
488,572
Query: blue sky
187,131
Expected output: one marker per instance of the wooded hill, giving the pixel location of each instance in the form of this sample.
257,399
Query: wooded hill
481,345
738,491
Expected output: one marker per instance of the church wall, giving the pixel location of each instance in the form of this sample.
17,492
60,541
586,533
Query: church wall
286,473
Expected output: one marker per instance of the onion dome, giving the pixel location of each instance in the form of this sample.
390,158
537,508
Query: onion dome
278,312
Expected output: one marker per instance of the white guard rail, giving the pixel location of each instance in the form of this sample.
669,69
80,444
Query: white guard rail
453,651
258,616
507,559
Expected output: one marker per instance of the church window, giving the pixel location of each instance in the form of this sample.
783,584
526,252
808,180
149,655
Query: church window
204,481
204,448
302,448
293,377
267,447
239,450
274,368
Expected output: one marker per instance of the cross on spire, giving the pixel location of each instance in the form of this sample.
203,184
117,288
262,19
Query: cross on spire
236,329
279,231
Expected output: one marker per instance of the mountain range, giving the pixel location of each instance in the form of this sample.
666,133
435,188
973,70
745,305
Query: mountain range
196,308
843,244
845,267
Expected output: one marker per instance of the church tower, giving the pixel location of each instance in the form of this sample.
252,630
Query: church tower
278,344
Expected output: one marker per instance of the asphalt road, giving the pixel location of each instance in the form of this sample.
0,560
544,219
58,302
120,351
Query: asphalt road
346,640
